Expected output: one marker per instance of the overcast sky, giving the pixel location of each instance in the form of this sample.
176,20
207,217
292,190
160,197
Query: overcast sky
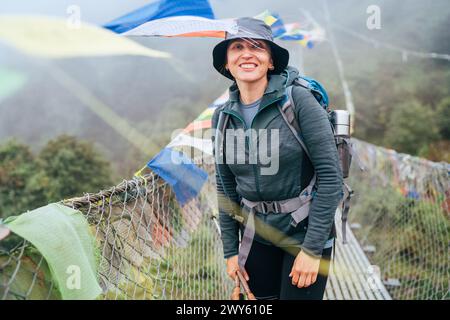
99,11
102,11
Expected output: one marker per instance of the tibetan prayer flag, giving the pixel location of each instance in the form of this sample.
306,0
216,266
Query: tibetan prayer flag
50,37
185,178
293,32
222,99
278,28
202,144
184,26
159,10
11,81
267,17
207,114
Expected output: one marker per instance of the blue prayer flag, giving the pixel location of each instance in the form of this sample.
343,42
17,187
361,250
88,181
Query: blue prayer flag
278,28
185,178
161,9
293,37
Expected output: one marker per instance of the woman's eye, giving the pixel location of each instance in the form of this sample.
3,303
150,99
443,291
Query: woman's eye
257,46
253,46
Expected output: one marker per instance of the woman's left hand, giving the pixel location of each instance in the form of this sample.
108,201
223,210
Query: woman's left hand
304,271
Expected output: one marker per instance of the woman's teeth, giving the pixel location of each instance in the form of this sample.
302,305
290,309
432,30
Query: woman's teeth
248,66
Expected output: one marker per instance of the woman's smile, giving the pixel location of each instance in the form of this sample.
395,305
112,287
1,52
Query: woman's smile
248,66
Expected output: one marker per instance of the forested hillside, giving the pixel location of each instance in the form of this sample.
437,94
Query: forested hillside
400,103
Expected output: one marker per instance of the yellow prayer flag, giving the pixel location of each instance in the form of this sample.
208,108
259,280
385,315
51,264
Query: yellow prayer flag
51,37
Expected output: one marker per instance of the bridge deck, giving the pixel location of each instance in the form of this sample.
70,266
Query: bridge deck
352,277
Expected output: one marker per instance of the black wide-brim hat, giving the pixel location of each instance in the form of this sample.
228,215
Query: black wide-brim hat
253,29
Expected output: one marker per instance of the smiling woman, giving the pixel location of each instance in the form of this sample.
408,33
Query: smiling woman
249,61
281,258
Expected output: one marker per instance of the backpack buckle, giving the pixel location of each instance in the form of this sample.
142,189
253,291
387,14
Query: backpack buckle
270,206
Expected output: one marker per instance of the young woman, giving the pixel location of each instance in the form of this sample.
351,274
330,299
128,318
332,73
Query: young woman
279,258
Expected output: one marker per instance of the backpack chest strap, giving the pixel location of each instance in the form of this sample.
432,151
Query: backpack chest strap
296,206
282,206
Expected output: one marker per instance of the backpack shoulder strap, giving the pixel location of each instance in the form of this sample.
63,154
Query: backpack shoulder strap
219,137
288,113
302,83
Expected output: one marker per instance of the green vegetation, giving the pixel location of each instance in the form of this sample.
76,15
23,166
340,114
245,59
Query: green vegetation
401,106
190,272
194,271
72,168
410,236
411,127
64,168
33,278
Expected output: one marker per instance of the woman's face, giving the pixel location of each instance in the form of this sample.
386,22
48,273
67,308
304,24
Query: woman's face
248,60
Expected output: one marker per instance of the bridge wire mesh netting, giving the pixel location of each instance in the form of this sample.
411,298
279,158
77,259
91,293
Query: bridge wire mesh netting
401,216
151,248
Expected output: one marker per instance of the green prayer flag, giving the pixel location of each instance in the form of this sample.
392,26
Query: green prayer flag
62,236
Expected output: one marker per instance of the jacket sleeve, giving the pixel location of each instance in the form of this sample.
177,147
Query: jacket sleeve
227,199
319,139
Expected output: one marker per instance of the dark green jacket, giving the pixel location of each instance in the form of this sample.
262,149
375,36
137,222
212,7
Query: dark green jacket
294,174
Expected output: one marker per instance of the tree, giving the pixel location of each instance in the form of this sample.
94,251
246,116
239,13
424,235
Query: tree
443,118
73,168
440,150
411,127
22,186
64,168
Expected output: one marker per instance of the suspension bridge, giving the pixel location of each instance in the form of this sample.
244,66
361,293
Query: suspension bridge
151,248
147,246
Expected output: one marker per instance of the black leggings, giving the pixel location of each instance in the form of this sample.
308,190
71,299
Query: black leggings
269,267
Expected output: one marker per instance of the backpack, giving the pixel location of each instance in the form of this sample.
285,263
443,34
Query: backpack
343,144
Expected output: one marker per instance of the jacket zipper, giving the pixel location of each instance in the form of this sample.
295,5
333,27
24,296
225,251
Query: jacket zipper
254,167
258,191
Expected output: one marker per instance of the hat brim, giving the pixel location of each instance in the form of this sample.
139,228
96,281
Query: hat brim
280,57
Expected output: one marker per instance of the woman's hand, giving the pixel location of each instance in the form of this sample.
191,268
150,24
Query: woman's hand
233,267
304,271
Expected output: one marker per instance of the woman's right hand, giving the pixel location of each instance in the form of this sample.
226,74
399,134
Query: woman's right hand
233,267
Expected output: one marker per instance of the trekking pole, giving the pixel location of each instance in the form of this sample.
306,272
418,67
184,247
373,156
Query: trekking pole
236,294
249,294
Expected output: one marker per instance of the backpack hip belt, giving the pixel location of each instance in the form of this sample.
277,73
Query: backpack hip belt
297,206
